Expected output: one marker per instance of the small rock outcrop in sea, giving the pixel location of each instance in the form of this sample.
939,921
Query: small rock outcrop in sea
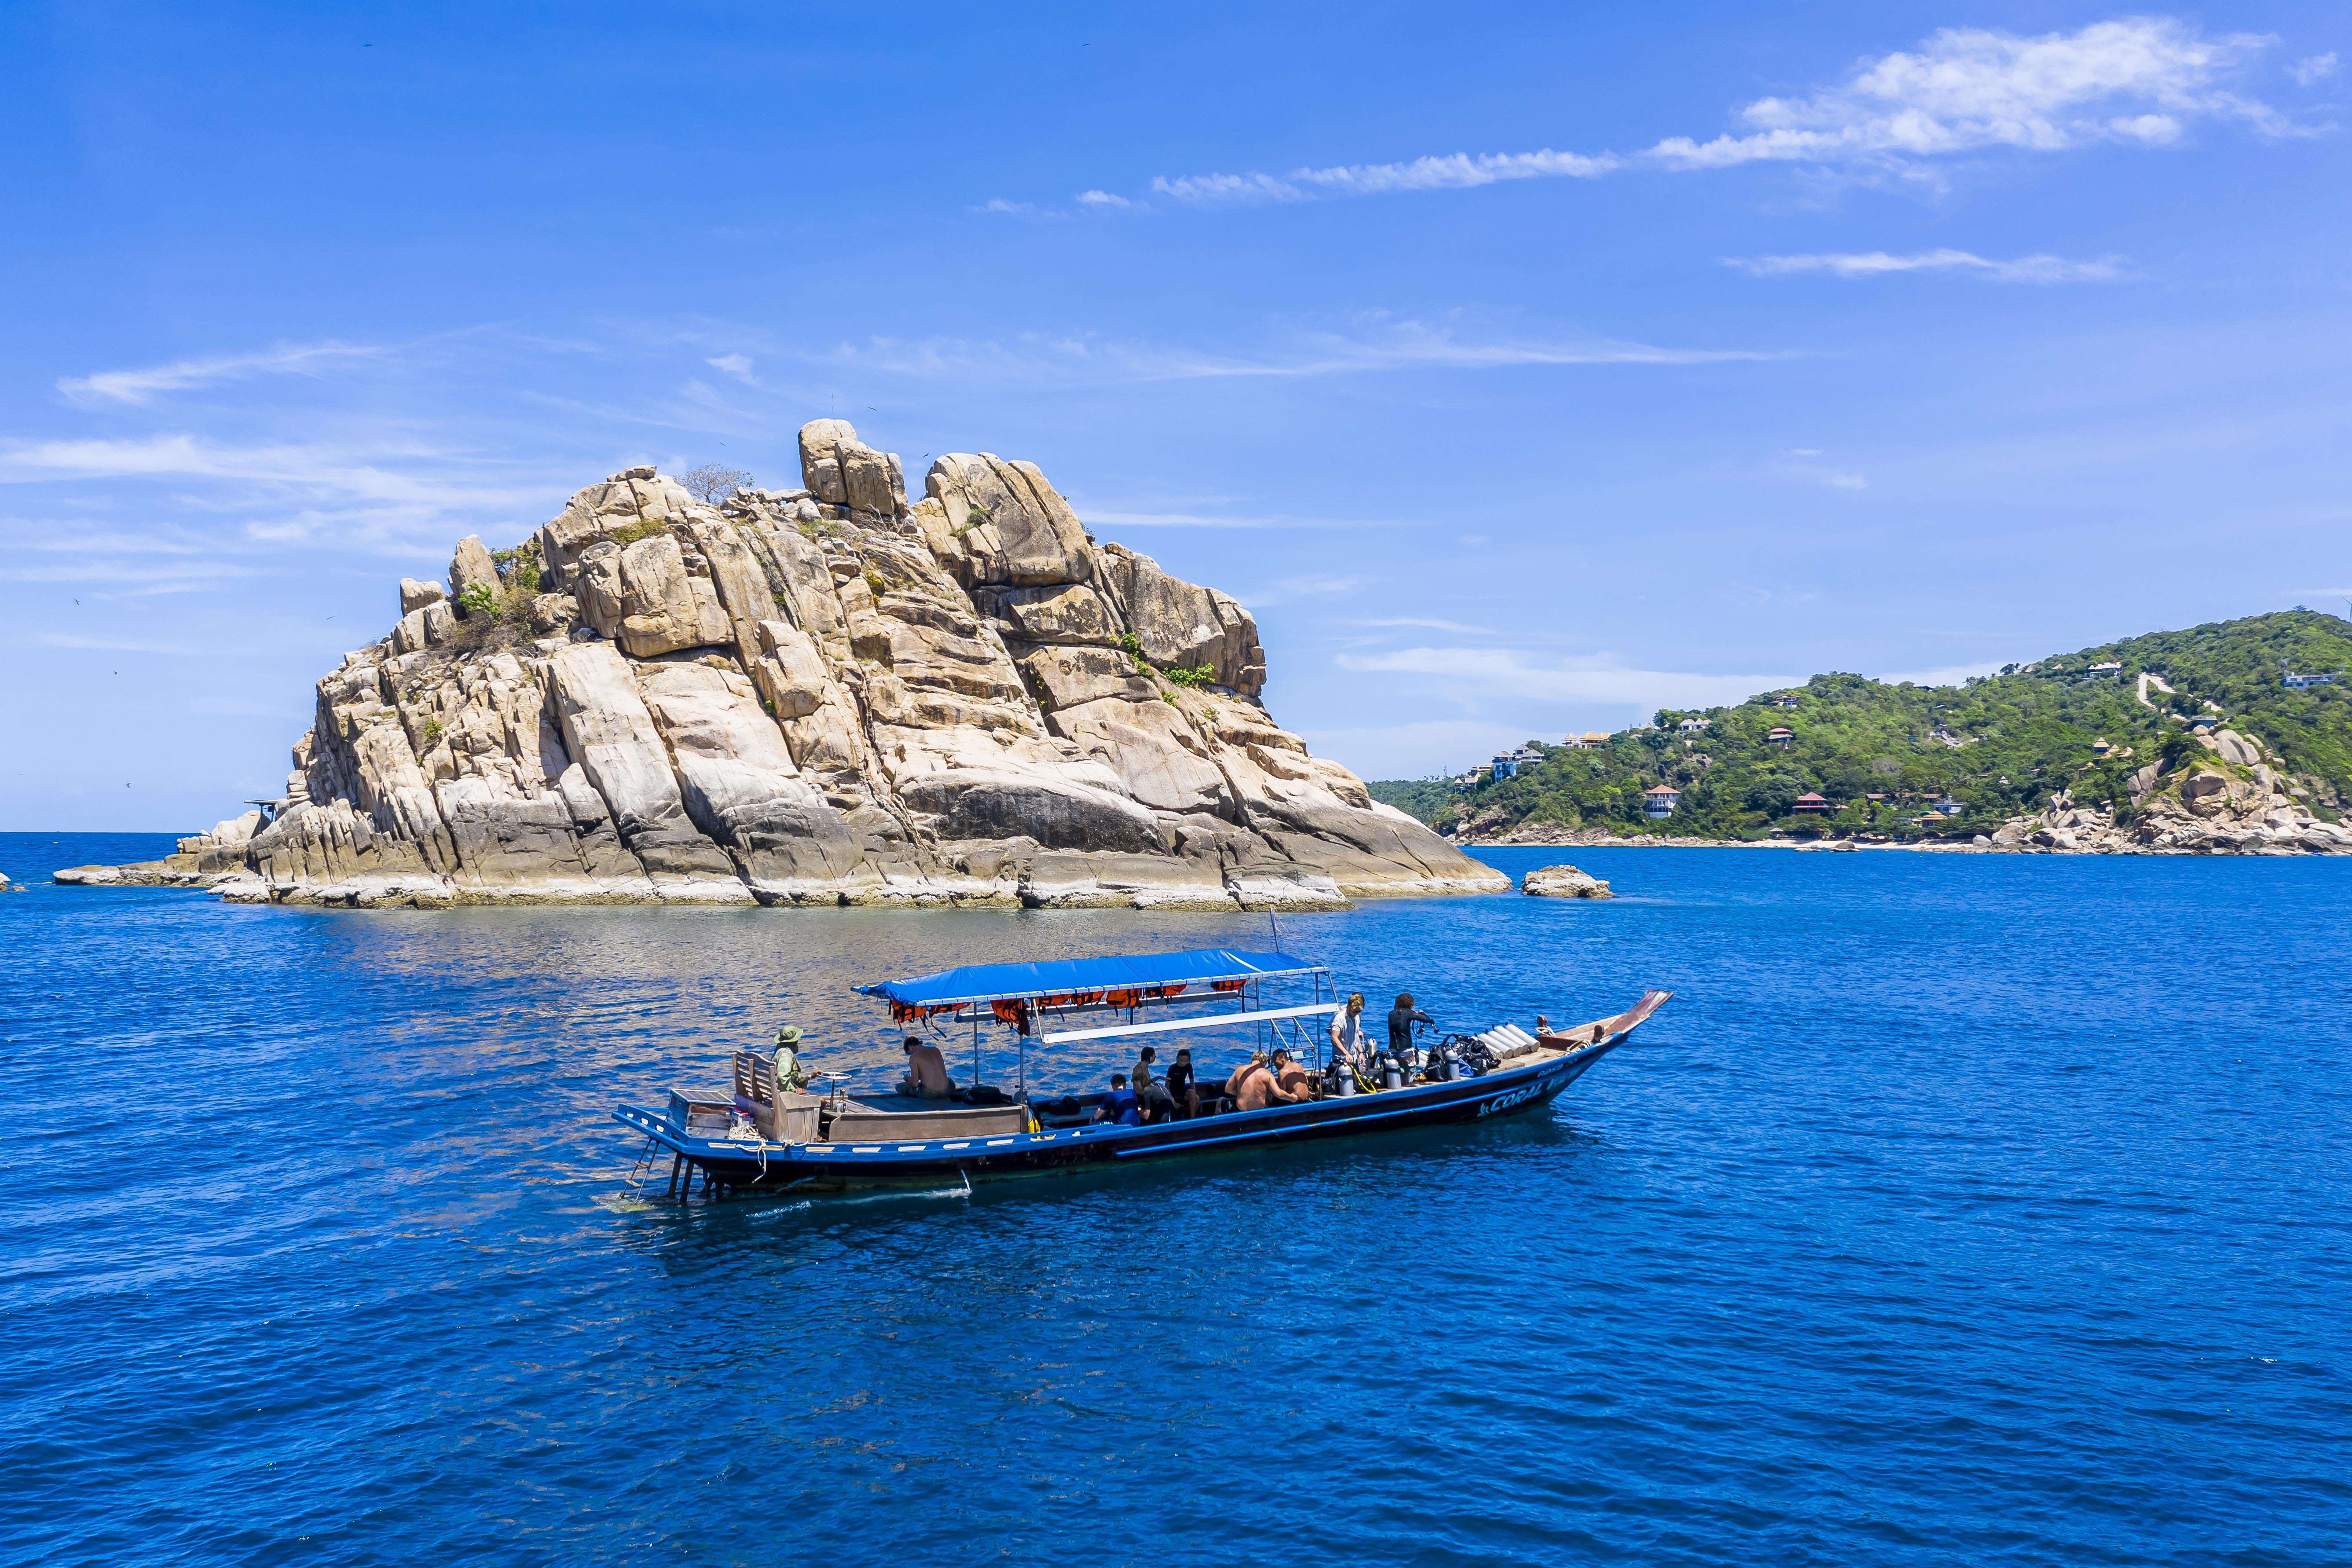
1563,882
823,695
2225,798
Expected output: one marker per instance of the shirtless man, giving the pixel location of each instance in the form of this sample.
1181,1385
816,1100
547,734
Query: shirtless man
1262,1086
1241,1075
1292,1081
926,1072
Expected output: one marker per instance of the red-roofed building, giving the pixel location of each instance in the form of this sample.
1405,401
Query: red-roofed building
1812,803
1658,801
1780,736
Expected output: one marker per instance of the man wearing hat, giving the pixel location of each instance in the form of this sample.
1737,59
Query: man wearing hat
789,1080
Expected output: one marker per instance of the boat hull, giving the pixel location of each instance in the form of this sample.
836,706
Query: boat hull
768,1167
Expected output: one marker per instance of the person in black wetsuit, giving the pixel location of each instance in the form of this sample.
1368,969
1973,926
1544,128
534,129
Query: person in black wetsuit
1182,1088
1402,1019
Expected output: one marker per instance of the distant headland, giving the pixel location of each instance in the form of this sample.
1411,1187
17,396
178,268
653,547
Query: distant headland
2232,738
820,695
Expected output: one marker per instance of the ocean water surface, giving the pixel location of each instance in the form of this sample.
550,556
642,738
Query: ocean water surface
1957,1210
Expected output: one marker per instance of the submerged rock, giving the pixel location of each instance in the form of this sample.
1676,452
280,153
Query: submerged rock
1563,882
827,694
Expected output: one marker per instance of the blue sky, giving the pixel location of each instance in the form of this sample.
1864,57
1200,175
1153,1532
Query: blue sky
1523,368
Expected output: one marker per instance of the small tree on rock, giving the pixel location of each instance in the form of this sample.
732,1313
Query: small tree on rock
712,483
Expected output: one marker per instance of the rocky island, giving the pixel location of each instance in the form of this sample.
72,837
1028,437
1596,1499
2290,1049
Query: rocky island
824,695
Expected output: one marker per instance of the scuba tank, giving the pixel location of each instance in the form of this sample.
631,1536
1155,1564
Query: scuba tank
1391,1074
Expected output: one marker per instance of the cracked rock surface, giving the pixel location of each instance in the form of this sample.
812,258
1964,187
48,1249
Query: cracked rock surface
827,694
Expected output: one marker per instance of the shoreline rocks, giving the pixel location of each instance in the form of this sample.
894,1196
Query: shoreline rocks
1563,882
822,696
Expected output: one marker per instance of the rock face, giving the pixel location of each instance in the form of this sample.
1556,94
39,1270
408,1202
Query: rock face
1563,882
2227,801
827,694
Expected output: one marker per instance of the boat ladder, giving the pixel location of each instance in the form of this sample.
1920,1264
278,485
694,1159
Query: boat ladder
638,1171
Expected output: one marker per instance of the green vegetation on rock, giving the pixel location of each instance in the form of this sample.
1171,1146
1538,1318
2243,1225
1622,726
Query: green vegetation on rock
1999,746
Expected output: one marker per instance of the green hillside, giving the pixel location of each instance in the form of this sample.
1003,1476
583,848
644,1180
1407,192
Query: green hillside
2001,745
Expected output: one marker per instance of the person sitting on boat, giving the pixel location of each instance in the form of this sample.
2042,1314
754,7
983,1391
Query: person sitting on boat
1292,1081
1158,1106
1402,1019
926,1072
1262,1084
1348,1032
1240,1074
1120,1106
1543,1025
1182,1092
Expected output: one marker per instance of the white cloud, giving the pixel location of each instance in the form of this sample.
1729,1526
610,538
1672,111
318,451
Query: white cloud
1289,588
737,365
1845,481
1018,209
1487,673
1430,625
1102,199
1038,359
141,386
2139,81
383,495
2312,69
1877,263
1454,170
1211,519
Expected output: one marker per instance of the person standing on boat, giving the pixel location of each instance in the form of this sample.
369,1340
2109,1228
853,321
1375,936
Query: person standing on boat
790,1078
1348,1034
926,1072
1402,1019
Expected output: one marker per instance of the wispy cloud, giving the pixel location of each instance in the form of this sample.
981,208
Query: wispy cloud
1878,263
142,386
1428,623
1452,171
2313,68
1018,209
737,365
1376,345
381,495
2139,81
1487,673
1102,199
1308,587
1213,520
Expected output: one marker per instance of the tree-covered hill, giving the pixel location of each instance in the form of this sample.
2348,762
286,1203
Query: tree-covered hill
1999,746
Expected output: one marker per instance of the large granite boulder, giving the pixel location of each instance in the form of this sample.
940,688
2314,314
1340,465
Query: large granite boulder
819,695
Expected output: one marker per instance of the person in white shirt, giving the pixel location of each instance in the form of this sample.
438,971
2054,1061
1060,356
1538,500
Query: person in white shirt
1348,1032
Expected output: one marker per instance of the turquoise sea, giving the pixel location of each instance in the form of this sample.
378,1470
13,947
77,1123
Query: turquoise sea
1957,1210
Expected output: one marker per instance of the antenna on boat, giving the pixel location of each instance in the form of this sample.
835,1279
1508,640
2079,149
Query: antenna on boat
1276,925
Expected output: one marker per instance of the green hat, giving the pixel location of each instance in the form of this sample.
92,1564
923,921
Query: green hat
788,1036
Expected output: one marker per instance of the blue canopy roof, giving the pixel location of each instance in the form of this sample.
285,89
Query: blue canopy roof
1001,982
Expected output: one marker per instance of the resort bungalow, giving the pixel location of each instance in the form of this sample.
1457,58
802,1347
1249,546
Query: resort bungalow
1505,766
1658,802
1809,802
2295,682
2101,747
1590,740
1949,806
1780,736
1693,726
2110,667
1781,699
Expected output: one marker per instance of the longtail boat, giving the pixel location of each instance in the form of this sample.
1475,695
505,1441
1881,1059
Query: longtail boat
767,1133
